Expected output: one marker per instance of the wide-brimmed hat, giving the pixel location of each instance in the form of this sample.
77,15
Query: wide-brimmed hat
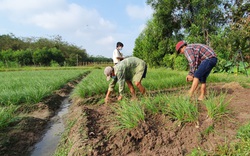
108,71
179,45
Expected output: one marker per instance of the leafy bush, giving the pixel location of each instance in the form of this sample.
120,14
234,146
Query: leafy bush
1,64
54,64
168,60
180,63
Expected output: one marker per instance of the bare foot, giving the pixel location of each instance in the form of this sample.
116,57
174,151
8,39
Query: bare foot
201,98
106,100
197,125
133,98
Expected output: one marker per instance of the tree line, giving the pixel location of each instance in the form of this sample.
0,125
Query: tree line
222,24
32,51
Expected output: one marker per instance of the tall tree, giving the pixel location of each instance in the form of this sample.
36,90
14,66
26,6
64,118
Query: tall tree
240,25
200,18
151,45
192,20
10,41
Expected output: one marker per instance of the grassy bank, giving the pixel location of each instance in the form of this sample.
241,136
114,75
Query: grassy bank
29,87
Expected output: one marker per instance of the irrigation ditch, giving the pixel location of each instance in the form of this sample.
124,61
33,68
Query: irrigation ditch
48,144
39,128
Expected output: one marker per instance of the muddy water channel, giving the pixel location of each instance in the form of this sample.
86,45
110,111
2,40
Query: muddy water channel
49,142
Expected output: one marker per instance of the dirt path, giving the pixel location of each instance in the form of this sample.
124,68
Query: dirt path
158,135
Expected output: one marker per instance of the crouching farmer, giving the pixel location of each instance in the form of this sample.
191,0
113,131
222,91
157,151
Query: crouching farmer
202,59
129,70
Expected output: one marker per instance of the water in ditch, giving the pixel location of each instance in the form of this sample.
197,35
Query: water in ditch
47,146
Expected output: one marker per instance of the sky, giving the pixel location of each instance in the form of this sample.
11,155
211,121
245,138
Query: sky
94,25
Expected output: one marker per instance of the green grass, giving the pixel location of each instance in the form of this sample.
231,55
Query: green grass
94,83
128,114
33,68
182,109
7,115
29,87
244,132
155,104
216,105
208,130
224,77
65,144
156,79
164,78
197,152
237,148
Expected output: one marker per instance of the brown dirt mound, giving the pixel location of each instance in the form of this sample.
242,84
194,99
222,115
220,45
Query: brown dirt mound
158,135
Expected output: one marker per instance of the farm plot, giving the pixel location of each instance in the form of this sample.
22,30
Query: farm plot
27,100
157,80
164,122
31,86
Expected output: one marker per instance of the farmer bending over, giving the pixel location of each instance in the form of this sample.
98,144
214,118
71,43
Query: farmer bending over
201,60
130,69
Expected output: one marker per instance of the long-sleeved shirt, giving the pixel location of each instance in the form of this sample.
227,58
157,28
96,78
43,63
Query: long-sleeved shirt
196,53
131,69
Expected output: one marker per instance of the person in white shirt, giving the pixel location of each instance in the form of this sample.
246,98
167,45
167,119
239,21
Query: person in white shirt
117,55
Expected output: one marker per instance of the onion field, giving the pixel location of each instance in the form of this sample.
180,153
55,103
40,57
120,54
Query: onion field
156,79
31,86
165,96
